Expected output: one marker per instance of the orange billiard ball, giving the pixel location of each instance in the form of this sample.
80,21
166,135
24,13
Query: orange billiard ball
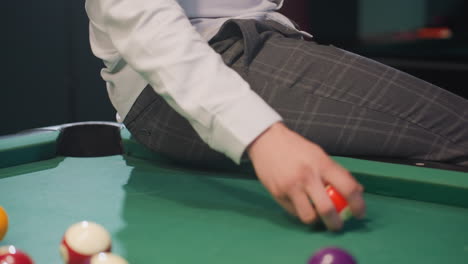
3,223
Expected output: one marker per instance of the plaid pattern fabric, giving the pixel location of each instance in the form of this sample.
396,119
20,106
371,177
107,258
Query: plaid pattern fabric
348,104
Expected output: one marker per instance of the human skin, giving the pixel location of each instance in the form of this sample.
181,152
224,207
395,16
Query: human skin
295,171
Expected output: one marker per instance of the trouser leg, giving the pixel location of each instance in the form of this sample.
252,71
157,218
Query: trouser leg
347,104
351,105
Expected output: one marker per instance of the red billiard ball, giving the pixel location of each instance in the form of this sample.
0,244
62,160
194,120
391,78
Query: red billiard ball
12,255
332,255
340,203
83,240
106,258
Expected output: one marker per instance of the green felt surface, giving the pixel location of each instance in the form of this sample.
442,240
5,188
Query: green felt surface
159,213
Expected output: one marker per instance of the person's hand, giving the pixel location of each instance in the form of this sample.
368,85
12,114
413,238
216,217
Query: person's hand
295,171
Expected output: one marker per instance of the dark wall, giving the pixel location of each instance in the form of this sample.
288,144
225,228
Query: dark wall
51,77
298,11
442,62
334,21
90,95
34,86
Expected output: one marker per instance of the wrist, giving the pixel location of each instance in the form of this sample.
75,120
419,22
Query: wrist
264,136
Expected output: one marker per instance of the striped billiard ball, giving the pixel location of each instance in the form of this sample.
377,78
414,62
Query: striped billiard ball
106,258
341,205
83,240
12,255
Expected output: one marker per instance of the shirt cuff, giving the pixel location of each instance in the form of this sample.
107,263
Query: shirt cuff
238,125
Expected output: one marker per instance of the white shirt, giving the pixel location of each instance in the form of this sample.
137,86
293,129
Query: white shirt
164,43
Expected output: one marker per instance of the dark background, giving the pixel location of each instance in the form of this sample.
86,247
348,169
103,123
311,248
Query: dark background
51,77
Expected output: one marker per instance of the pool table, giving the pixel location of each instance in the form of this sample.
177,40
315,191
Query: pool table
161,211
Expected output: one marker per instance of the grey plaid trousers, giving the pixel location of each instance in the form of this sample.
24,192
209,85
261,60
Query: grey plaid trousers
347,104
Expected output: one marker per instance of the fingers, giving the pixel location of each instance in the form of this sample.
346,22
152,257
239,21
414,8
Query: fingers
296,170
348,187
287,205
323,205
299,205
303,206
298,200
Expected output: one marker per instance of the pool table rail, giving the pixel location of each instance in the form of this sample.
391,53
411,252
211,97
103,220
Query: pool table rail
410,182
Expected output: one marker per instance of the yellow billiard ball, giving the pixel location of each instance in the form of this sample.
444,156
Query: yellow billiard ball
3,223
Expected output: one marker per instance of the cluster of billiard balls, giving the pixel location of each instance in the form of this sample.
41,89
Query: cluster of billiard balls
90,243
83,243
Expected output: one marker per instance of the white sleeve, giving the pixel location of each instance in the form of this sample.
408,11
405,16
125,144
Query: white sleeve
157,40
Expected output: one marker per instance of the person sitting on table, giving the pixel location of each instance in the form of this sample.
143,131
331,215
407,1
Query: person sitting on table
210,80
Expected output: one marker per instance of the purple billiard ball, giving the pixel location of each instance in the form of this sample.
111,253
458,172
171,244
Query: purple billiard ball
332,255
